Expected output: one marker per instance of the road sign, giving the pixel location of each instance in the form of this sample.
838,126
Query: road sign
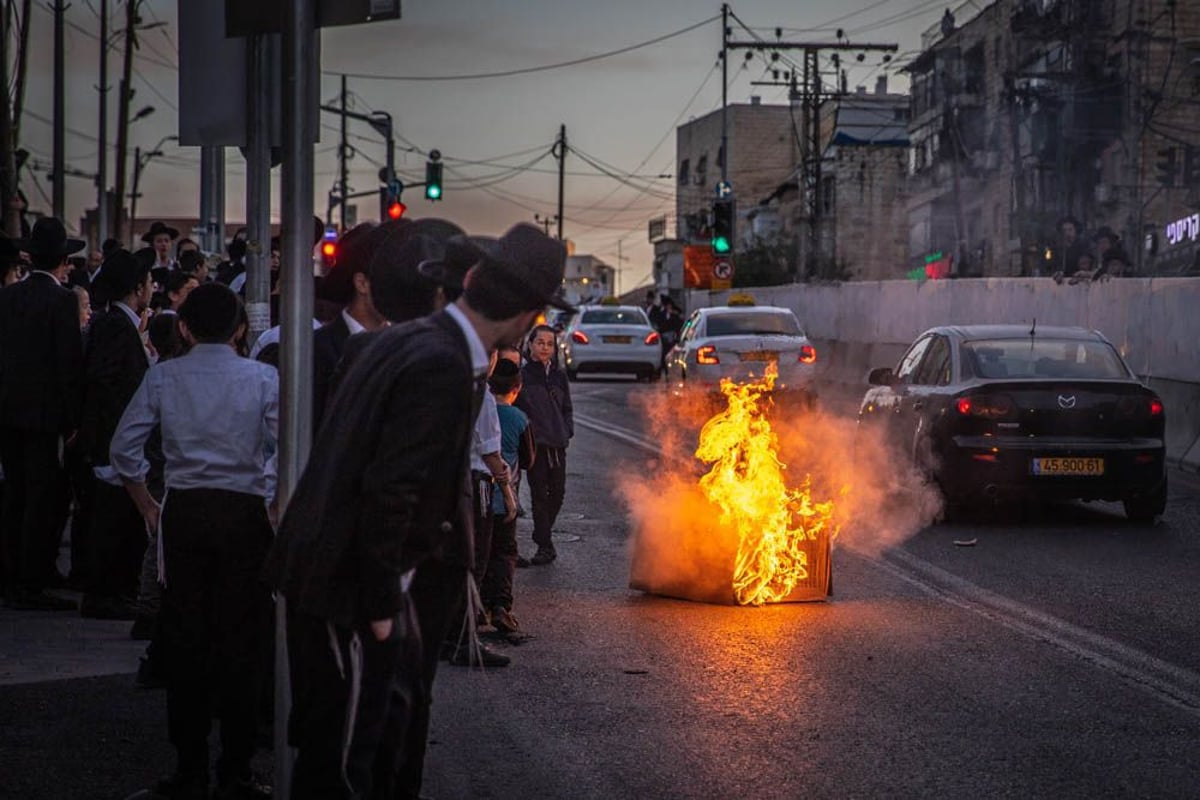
723,270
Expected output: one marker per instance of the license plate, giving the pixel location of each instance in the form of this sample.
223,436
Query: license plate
1068,466
616,339
761,355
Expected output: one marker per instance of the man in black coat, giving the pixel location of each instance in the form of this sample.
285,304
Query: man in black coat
41,372
115,364
386,489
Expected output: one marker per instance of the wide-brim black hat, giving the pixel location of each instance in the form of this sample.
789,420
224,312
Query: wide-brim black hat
450,265
49,238
156,229
533,261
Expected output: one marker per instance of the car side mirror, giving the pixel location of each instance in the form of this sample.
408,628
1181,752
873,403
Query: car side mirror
881,376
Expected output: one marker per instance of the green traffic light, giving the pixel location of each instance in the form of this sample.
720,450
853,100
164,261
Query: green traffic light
720,244
433,192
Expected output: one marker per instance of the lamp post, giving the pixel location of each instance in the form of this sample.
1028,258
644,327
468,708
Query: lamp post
140,160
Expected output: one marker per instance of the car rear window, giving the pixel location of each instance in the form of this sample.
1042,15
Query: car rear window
614,316
744,323
1041,358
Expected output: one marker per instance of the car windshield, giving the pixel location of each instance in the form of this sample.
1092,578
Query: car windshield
614,316
1041,358
751,323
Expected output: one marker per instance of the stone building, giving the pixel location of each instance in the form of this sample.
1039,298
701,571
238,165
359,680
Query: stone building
587,279
1032,111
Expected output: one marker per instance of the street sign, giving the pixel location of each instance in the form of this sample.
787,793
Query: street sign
247,17
722,274
657,229
723,189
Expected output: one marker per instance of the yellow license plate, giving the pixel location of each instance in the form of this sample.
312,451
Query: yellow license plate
1068,466
616,339
761,355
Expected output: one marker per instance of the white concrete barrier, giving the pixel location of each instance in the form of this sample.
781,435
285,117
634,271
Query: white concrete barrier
1154,322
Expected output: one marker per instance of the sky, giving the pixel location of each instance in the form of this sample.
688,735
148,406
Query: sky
495,134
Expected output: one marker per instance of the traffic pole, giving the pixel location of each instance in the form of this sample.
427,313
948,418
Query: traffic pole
258,184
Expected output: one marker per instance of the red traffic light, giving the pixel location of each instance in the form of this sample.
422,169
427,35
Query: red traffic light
329,249
396,209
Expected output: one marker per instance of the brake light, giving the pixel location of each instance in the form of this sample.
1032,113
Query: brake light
808,354
1132,406
964,406
1156,407
652,337
579,337
985,406
707,355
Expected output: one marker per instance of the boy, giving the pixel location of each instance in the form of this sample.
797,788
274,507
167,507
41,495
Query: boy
517,449
219,415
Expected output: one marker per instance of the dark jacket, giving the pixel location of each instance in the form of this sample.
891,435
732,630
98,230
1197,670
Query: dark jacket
546,400
386,486
41,356
114,368
329,341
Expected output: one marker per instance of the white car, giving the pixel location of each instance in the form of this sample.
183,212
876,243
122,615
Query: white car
605,338
738,342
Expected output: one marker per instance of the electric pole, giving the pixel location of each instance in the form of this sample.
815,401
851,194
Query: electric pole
124,97
58,187
8,166
724,92
344,159
102,209
560,150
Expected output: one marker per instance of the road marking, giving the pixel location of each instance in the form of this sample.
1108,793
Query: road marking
1172,684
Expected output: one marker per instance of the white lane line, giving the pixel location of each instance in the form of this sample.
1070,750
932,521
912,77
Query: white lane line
1172,684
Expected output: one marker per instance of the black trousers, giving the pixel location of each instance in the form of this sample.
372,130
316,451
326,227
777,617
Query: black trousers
82,483
348,749
213,624
547,487
437,593
118,542
33,496
497,588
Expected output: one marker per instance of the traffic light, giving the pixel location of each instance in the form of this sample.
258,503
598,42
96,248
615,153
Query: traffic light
396,209
433,176
329,249
722,226
1166,167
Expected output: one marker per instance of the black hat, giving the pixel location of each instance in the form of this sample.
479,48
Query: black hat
448,269
354,251
49,238
122,272
402,286
10,250
527,256
157,228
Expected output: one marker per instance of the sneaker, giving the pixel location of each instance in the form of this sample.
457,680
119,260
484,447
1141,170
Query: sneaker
247,789
544,555
504,621
466,656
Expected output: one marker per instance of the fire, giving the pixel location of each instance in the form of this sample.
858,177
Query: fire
779,528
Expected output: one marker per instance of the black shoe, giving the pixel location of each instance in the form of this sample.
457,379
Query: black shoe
40,601
522,562
142,629
504,621
180,787
97,607
248,789
544,555
150,674
466,656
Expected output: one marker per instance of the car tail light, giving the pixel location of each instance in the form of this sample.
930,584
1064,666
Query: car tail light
579,337
707,355
1139,406
808,354
652,338
988,406
1156,407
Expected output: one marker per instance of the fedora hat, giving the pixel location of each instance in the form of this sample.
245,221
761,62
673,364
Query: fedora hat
49,238
451,263
157,228
533,261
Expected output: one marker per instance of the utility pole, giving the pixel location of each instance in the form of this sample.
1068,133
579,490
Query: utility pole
22,71
545,222
560,148
8,166
724,91
212,197
58,187
134,193
813,96
124,97
258,183
344,160
102,209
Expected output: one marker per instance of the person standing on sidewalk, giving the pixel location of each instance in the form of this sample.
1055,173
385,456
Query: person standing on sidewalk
546,400
41,392
219,416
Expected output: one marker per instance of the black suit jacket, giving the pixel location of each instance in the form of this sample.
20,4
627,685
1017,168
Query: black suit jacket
114,367
386,483
41,356
328,343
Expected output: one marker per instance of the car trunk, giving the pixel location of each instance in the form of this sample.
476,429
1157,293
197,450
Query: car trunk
1072,408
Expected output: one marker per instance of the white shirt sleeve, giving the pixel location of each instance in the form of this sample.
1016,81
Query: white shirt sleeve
127,451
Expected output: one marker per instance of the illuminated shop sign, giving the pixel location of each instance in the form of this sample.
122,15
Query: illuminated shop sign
1184,230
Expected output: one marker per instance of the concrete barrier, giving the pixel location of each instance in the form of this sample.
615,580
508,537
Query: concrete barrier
1154,322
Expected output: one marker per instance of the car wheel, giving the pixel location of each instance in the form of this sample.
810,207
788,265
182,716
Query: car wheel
1147,507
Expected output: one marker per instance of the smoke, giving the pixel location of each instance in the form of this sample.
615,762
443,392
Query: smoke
679,549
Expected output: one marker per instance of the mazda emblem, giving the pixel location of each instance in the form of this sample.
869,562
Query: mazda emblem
1066,402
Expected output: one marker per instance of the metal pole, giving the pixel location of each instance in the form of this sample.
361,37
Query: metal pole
102,227
724,91
133,195
212,197
343,161
300,65
258,185
58,189
562,167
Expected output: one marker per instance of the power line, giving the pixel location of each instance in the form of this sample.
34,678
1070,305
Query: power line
529,70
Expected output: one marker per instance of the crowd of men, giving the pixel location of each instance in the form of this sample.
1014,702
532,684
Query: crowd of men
133,417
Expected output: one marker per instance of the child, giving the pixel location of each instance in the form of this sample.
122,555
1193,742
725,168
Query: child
219,417
546,400
517,449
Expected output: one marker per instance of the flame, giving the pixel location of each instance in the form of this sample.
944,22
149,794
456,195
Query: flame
747,482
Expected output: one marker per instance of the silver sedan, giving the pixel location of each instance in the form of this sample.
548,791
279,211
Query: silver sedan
611,339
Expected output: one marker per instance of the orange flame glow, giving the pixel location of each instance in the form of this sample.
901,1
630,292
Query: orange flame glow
776,525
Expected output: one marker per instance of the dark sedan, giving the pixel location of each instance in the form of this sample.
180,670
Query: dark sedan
992,410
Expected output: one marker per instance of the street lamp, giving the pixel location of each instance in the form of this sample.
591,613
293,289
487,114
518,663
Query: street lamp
142,113
140,160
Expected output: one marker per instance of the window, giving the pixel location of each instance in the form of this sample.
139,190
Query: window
683,173
751,323
908,364
702,170
1041,358
935,369
614,316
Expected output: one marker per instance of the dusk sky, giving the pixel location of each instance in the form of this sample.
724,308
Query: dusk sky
620,112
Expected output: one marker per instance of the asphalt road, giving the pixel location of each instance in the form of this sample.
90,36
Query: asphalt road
1057,656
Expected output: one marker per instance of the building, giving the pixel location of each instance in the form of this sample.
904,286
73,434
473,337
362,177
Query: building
587,279
1028,112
